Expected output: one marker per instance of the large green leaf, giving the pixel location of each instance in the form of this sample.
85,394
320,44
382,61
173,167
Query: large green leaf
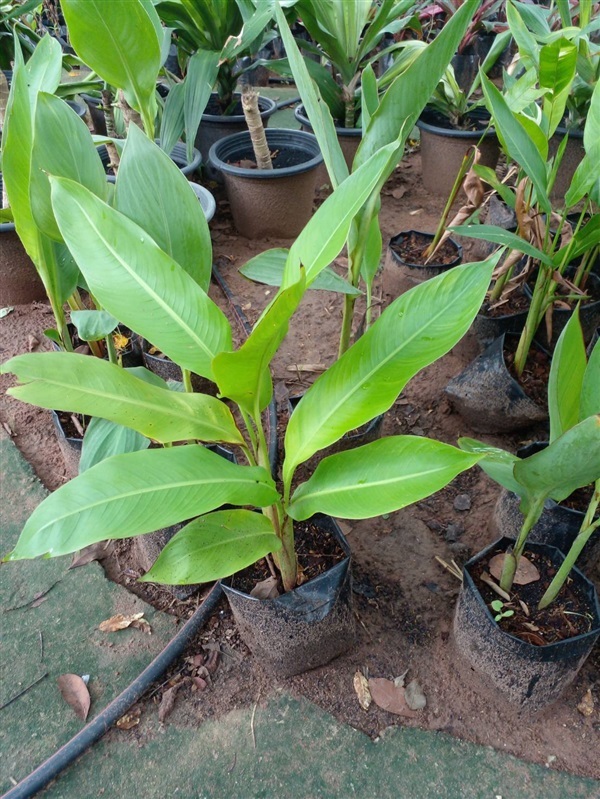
202,71
558,64
408,94
81,384
268,267
137,493
172,119
590,389
214,546
119,42
517,143
103,439
504,237
93,325
153,192
244,376
62,146
380,477
570,462
566,378
414,331
497,463
139,283
44,68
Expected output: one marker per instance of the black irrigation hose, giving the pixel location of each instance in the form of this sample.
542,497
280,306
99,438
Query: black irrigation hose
93,731
284,103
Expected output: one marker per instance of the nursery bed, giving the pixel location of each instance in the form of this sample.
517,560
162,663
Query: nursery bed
404,598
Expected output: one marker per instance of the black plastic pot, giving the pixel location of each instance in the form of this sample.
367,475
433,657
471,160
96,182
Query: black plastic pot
94,105
488,397
215,126
70,447
487,328
400,275
178,155
571,159
443,149
164,367
558,525
269,202
304,628
589,313
349,138
529,676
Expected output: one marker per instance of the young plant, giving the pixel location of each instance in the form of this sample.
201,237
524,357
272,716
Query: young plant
139,281
497,605
570,461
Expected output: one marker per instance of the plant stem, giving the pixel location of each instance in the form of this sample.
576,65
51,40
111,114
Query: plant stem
111,130
187,380
587,528
511,558
286,560
110,348
256,128
534,317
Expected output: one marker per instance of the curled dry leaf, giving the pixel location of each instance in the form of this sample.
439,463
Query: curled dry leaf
265,589
119,622
361,686
75,693
586,706
167,703
526,572
390,697
130,720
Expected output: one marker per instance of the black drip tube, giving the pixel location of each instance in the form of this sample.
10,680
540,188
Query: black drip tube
93,731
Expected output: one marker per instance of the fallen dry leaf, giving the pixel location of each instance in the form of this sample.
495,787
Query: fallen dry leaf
415,698
167,703
200,683
265,589
75,693
586,706
119,622
88,554
129,720
142,625
526,572
390,697
361,686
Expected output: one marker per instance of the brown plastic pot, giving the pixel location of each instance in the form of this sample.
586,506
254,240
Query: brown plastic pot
269,202
527,675
349,139
443,149
400,275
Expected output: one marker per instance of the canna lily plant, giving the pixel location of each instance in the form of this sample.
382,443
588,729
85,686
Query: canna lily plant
570,461
135,266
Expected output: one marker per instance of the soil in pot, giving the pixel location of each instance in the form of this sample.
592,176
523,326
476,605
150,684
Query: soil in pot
161,365
406,264
531,656
70,429
293,632
491,400
507,316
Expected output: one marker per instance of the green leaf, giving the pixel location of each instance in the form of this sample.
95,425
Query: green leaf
138,493
517,143
137,282
566,378
244,376
373,249
172,120
498,235
497,463
380,477
558,64
414,331
201,74
370,97
528,47
568,463
44,68
590,389
318,112
153,192
268,267
584,240
119,42
103,439
214,546
67,381
93,325
62,146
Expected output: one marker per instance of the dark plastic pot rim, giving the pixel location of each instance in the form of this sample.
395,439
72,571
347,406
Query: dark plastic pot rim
265,104
572,133
178,155
352,133
281,138
453,133
432,265
532,449
501,543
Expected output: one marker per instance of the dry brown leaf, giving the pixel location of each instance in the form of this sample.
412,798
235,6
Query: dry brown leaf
88,554
129,720
75,693
167,703
586,706
361,686
265,589
526,572
390,697
119,622
142,625
415,698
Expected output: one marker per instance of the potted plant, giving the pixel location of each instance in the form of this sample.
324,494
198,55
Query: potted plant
158,299
533,658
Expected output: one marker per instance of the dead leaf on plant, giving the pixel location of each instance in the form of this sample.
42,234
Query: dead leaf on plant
526,572
167,703
75,693
129,720
586,706
361,686
88,554
389,696
121,622
265,589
